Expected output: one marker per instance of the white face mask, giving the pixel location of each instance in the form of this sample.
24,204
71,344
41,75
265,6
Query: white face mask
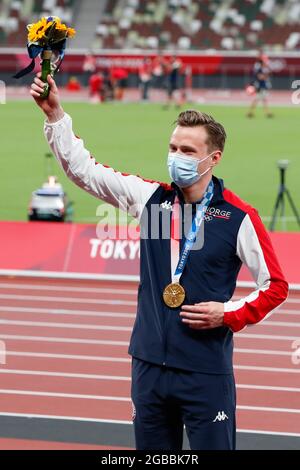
184,170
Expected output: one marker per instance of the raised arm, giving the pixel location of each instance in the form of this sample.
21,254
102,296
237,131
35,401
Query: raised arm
128,192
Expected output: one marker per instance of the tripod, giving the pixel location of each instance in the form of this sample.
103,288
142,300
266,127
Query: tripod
280,203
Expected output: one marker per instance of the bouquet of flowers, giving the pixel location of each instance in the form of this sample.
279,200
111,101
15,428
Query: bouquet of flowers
47,39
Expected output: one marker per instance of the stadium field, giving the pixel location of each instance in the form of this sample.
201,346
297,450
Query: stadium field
134,138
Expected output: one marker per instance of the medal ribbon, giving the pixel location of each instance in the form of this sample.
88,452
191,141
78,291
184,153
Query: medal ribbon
178,261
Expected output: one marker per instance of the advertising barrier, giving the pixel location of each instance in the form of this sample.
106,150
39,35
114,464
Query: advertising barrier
66,248
200,62
76,250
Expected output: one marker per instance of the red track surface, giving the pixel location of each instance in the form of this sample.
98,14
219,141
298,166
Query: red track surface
67,342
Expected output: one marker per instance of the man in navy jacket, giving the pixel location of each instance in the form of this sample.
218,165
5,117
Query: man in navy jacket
181,345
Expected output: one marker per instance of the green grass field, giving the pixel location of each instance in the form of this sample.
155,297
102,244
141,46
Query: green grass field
134,138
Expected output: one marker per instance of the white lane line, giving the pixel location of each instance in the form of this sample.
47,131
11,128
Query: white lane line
104,358
239,407
285,312
120,359
124,278
82,341
56,288
262,351
96,397
68,356
104,290
52,339
62,311
239,386
118,421
268,369
269,387
267,408
262,336
112,377
282,323
116,314
292,300
65,418
63,395
44,373
65,325
105,327
73,300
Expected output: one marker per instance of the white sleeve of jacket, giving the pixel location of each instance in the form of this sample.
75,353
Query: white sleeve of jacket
127,192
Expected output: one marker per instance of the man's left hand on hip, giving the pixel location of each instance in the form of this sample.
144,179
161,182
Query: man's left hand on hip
203,316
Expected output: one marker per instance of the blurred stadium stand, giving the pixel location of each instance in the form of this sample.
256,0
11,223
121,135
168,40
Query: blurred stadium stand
187,24
165,24
16,14
217,39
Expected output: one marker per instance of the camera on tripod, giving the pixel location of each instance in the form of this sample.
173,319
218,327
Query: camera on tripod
280,203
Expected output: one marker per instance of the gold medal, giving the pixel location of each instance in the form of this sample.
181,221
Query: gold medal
173,295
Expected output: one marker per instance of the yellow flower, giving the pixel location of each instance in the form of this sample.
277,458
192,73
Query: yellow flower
59,25
62,27
37,31
71,32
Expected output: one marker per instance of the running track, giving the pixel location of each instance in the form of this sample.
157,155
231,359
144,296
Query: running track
66,357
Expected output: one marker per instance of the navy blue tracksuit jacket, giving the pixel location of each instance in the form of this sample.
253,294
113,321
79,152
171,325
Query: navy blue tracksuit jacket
233,234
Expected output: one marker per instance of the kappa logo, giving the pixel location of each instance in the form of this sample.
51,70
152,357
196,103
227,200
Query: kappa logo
213,213
221,416
166,205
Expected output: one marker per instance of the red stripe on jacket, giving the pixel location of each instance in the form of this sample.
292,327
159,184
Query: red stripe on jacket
254,311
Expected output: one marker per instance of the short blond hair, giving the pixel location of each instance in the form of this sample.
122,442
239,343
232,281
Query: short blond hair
215,131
